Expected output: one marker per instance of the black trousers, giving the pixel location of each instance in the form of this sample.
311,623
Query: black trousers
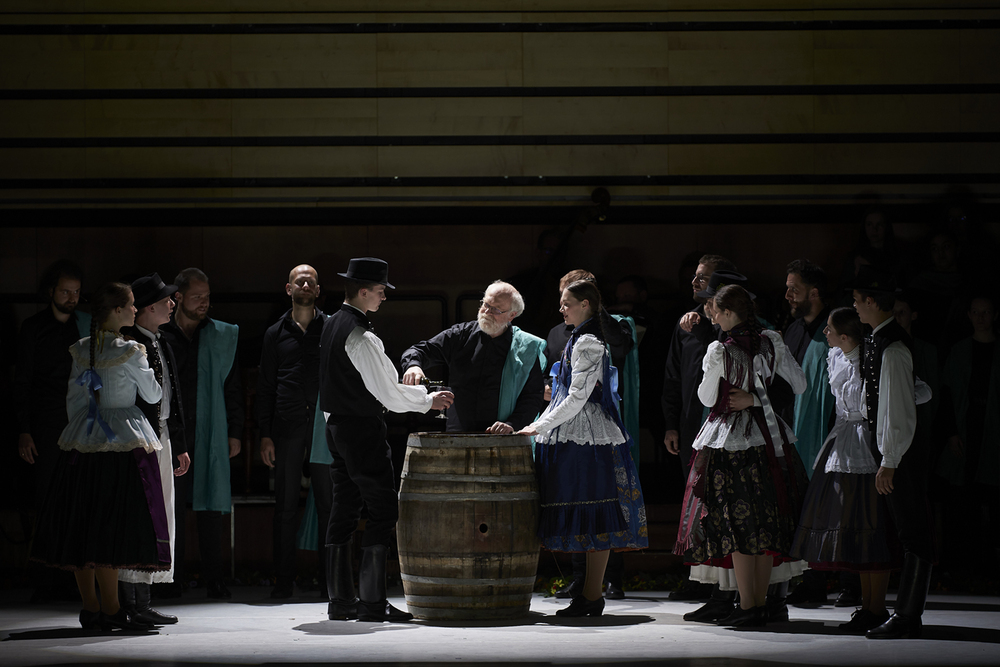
909,504
361,472
211,527
291,445
47,446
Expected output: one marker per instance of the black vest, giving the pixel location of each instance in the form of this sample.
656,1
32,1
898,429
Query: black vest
871,368
341,390
175,423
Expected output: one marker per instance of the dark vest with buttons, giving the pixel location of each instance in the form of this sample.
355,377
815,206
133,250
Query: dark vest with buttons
175,424
341,390
873,347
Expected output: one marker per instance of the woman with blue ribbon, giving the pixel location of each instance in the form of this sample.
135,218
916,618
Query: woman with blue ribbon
591,501
746,484
105,510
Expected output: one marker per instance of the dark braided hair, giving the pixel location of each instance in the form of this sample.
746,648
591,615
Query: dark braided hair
104,301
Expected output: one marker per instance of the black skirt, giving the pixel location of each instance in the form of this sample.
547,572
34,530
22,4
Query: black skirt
845,523
96,515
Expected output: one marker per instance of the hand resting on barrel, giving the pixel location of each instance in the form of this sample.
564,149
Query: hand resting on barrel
527,430
442,400
501,428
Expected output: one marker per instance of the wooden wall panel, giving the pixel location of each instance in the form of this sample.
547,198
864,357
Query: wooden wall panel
450,59
43,118
297,61
158,61
159,118
305,117
741,58
596,59
41,61
474,116
304,162
695,95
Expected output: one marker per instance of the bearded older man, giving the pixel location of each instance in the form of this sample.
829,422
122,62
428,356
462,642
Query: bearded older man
494,369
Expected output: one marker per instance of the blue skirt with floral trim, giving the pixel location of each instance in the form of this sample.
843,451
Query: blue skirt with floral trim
590,498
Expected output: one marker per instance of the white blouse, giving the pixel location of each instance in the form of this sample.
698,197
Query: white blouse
577,419
720,433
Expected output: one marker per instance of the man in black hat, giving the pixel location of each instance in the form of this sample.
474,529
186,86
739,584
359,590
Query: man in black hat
358,383
153,304
287,392
891,412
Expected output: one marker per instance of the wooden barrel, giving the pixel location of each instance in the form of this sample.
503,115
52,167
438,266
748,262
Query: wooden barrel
468,526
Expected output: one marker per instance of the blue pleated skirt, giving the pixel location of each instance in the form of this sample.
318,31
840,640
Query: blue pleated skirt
590,498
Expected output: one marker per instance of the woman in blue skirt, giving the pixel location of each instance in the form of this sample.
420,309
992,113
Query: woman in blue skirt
591,501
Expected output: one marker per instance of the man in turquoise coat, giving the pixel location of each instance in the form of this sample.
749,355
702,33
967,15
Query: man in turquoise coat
205,351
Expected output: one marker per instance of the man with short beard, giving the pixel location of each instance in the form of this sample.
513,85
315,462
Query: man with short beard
806,341
41,374
494,369
287,391
809,413
205,351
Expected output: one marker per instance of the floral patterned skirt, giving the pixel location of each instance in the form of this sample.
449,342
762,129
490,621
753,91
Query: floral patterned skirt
740,501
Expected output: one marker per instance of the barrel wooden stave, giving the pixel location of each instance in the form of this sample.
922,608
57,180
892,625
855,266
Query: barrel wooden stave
468,549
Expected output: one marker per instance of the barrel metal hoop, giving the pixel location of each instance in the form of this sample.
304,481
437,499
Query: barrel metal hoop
449,581
444,444
476,497
522,598
434,477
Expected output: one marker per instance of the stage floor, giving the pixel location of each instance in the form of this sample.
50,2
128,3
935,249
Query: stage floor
643,628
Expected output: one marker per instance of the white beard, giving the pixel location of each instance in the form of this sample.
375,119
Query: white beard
489,326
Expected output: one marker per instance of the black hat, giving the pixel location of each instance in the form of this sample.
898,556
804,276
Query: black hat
720,279
368,270
874,281
150,289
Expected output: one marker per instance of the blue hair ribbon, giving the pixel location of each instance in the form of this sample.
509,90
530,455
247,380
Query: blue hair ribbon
91,381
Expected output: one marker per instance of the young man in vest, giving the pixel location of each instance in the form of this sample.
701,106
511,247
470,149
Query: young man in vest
358,384
891,411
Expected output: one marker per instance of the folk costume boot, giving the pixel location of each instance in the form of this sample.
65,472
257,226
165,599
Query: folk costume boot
720,605
373,605
126,599
913,585
143,612
343,605
777,610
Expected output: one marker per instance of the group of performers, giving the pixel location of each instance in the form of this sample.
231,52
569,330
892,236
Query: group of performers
748,505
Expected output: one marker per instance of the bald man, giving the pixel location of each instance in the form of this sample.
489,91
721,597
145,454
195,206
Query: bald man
287,389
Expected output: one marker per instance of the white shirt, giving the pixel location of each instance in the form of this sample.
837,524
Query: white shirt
367,354
897,408
165,401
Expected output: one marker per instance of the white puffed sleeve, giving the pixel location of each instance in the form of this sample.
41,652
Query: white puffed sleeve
785,364
713,366
588,353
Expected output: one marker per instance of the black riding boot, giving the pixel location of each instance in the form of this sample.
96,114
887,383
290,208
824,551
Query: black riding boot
126,600
913,586
343,603
373,605
143,612
718,607
777,610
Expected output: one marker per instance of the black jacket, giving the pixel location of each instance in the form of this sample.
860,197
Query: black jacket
175,422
